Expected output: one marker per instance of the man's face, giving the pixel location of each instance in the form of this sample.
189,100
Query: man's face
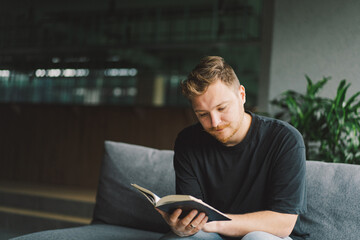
220,111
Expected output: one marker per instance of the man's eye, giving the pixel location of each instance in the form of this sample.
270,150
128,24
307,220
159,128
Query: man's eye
202,114
221,109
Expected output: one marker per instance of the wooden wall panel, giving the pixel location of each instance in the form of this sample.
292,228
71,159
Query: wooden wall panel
64,144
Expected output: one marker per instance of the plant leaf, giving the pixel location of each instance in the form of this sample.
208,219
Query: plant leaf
351,100
341,92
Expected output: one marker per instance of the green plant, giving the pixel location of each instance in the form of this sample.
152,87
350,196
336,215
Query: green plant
330,127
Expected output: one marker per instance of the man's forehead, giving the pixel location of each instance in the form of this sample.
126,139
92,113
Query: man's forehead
216,94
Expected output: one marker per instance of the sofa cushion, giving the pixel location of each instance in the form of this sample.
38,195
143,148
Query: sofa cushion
92,232
333,201
117,202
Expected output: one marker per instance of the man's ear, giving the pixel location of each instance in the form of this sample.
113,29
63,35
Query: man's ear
242,93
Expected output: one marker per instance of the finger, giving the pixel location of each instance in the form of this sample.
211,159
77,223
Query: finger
163,213
188,219
203,222
174,217
198,219
170,219
196,226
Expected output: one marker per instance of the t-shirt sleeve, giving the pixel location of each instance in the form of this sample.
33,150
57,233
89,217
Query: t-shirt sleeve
186,179
288,182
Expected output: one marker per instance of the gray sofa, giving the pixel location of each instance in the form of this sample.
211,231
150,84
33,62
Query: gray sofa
122,213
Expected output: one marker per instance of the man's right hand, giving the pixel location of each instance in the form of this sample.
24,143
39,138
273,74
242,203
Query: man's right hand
186,226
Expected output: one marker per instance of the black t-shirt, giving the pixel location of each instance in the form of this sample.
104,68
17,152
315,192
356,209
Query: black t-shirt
266,171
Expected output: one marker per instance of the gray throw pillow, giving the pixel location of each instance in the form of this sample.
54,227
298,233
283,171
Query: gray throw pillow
117,202
333,201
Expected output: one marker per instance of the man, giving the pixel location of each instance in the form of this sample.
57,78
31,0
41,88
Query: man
248,166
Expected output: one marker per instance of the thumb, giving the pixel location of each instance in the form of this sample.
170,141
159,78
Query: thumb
163,213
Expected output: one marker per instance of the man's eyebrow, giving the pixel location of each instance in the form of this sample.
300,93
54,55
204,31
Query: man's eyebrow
199,110
222,103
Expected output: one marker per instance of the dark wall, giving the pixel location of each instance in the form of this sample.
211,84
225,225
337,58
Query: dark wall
64,144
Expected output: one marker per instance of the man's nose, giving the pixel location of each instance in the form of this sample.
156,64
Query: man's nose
215,120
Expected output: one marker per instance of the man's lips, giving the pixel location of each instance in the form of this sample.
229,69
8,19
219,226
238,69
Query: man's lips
219,129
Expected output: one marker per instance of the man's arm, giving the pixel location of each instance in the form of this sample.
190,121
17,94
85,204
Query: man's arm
279,224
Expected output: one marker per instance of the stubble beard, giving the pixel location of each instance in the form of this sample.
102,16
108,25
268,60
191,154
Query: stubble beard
224,140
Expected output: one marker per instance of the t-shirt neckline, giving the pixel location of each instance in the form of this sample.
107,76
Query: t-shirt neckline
247,138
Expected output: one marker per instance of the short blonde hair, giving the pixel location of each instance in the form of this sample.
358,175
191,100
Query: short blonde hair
209,70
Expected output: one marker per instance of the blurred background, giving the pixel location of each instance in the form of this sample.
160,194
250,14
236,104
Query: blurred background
76,73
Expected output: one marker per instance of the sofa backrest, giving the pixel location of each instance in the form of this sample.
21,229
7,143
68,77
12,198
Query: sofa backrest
333,191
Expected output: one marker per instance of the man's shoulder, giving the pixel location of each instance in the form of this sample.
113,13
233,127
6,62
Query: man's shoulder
275,128
269,122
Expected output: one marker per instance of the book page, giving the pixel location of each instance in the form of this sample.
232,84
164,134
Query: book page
152,197
174,198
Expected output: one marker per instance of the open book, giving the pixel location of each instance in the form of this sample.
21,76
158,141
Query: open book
186,202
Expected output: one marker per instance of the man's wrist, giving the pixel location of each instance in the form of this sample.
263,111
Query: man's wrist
219,226
214,227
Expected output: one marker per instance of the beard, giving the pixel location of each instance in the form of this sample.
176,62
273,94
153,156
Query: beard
222,137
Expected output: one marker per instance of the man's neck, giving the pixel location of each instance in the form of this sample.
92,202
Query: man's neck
242,131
